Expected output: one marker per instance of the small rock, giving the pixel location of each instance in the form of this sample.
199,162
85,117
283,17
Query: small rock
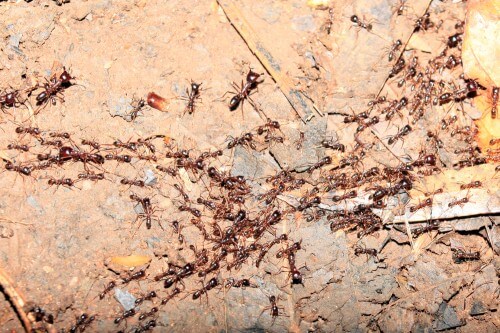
139,209
126,299
447,318
303,23
477,309
150,178
31,200
14,40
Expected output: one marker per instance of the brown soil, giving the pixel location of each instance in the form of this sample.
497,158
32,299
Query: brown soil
57,241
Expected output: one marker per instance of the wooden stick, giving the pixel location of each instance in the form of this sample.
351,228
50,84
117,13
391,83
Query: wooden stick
15,299
297,100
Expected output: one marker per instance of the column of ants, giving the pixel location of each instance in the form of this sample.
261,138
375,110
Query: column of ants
238,227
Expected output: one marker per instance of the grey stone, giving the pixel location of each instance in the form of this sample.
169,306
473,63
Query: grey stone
303,23
477,309
126,299
150,178
447,318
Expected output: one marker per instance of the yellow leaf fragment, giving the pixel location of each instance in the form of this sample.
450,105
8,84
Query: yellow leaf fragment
133,260
481,42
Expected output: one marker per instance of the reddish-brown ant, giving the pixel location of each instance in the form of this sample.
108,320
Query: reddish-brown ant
14,146
403,132
355,19
273,307
68,182
175,292
244,140
426,203
459,202
83,321
132,182
54,87
93,144
358,250
91,176
459,256
24,169
120,158
192,96
473,184
148,210
126,314
392,52
111,285
495,92
134,276
426,228
149,313
243,92
348,195
33,131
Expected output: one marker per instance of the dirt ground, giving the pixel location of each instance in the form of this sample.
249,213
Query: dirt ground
58,241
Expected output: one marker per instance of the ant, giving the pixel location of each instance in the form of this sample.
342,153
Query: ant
54,87
275,309
494,101
81,323
423,23
438,191
358,250
394,48
426,203
68,182
177,229
244,140
397,68
473,184
420,230
324,161
355,19
33,131
400,8
231,282
120,158
24,170
244,90
92,144
210,285
349,195
8,99
459,202
137,106
182,192
192,96
331,145
91,176
175,292
403,132
148,314
329,22
459,256
12,146
111,285
148,210
132,182
126,314
135,276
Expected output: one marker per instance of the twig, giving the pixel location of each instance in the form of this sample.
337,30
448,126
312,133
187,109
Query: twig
15,299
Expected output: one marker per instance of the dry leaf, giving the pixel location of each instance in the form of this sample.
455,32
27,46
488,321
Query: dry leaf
133,260
481,47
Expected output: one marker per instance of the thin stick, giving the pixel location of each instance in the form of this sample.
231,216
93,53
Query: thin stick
15,299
